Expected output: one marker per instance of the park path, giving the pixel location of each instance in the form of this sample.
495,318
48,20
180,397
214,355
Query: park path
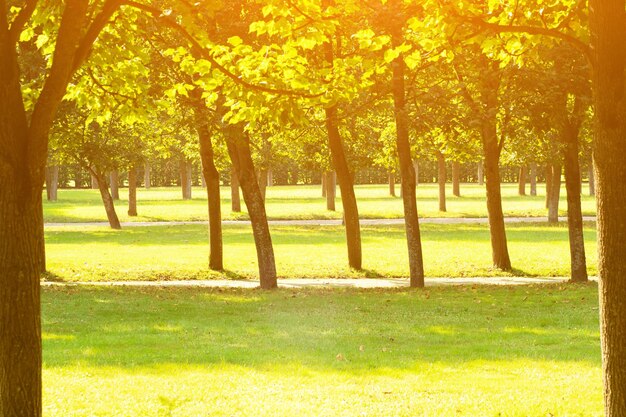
364,222
318,282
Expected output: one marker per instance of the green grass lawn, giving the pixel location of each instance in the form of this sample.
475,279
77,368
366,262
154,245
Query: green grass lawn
456,351
297,202
181,252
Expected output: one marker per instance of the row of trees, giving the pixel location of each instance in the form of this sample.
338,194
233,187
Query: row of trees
454,78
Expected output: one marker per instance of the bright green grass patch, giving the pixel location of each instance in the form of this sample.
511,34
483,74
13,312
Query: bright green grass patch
297,202
181,252
486,351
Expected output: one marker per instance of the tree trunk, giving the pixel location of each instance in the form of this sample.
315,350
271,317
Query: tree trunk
592,182
456,179
411,220
238,144
235,200
344,176
533,179
392,184
441,180
132,192
481,174
331,189
554,194
607,27
115,184
211,177
52,182
323,183
416,168
521,183
574,210
185,178
270,177
549,177
263,182
146,175
94,183
107,200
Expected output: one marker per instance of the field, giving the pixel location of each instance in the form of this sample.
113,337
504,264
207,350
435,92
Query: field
299,202
485,351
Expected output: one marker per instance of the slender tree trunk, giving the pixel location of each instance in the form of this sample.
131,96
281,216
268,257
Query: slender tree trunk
94,183
416,168
521,183
270,177
238,144
331,189
554,194
211,177
441,179
413,238
456,179
392,184
607,27
344,177
185,178
323,182
132,192
533,179
263,182
578,260
549,178
481,174
146,175
52,182
592,182
235,200
115,184
107,200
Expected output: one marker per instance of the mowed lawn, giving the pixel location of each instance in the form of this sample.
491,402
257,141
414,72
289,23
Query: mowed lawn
181,252
299,202
454,351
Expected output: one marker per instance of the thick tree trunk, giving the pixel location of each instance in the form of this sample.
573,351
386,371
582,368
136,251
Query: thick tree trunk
392,184
609,90
456,179
554,194
331,189
146,175
185,178
94,183
132,192
235,200
107,200
411,220
115,184
592,182
441,180
211,177
481,174
533,179
578,260
521,181
52,182
238,144
344,177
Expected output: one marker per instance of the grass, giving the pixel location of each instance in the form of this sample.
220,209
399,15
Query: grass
455,351
298,202
181,252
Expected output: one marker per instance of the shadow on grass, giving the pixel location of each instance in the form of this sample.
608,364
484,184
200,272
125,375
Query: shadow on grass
374,330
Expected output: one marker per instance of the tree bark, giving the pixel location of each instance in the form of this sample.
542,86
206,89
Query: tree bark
185,178
52,182
115,184
132,192
238,144
323,183
107,200
456,179
416,168
609,90
411,220
331,189
270,177
344,177
533,179
263,182
211,177
549,177
521,183
146,175
392,184
94,183
481,174
578,260
554,194
592,182
235,200
441,180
